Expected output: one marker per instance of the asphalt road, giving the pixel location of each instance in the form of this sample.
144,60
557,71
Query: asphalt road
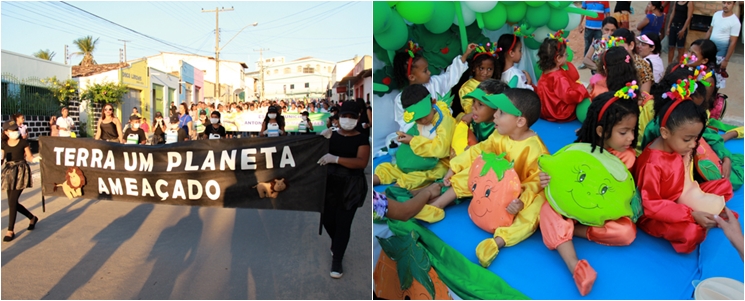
89,249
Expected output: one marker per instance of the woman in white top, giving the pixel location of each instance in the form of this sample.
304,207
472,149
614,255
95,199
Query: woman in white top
649,48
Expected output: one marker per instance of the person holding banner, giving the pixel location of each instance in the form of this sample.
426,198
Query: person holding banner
16,174
346,183
215,130
134,134
109,126
176,133
273,125
305,127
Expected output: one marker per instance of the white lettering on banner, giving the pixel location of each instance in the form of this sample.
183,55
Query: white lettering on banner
146,189
116,186
269,151
102,189
248,159
226,159
286,158
131,186
209,162
160,183
109,160
178,190
96,157
194,184
82,157
146,163
174,160
127,166
69,157
212,184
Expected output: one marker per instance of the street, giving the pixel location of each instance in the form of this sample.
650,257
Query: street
89,249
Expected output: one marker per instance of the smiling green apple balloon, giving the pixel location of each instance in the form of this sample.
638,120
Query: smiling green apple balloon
591,187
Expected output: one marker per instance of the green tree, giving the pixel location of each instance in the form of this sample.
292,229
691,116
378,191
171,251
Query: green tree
86,45
45,54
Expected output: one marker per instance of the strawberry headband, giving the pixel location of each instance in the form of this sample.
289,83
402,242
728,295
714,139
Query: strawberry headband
685,60
412,49
627,92
491,49
612,42
518,31
683,89
557,36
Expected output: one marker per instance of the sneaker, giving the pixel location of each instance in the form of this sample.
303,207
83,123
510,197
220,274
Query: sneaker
336,270
582,66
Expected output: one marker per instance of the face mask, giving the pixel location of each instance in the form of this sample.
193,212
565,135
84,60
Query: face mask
136,126
14,135
272,115
158,119
305,118
347,123
214,120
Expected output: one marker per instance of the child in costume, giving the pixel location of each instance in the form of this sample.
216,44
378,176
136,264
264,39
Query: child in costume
481,68
424,155
558,89
676,207
511,52
517,110
610,126
643,68
478,125
16,174
410,68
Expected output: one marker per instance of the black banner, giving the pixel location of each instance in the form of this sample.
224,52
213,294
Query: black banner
235,173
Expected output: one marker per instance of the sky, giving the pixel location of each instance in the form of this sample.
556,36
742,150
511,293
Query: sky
332,31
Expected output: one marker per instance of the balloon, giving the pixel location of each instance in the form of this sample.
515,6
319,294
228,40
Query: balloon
417,12
582,110
537,69
509,3
535,3
559,4
538,15
558,20
392,3
570,54
590,187
516,11
495,18
480,6
565,34
531,43
541,34
573,22
396,35
468,15
444,11
381,15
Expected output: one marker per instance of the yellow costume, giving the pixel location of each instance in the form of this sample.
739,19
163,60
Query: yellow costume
437,147
467,87
525,153
646,114
739,131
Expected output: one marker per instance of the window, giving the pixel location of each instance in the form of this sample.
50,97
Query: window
276,71
292,86
318,67
307,85
288,70
308,70
299,69
268,72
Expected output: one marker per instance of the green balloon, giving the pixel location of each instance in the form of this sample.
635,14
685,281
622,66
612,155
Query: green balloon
531,43
381,15
582,110
417,12
495,18
508,3
392,3
516,11
566,33
559,4
559,19
396,35
535,3
538,16
442,18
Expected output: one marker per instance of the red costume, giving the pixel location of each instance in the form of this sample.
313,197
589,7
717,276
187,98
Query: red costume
560,92
660,177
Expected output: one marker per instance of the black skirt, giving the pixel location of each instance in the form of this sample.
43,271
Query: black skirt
16,175
345,188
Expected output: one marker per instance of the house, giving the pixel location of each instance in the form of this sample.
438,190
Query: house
305,77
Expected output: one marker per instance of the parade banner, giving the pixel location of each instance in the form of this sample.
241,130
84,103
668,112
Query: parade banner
250,121
263,173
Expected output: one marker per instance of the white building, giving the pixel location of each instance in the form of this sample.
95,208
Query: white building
232,73
340,92
304,77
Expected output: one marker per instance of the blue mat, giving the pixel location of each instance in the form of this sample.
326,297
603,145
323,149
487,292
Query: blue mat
647,269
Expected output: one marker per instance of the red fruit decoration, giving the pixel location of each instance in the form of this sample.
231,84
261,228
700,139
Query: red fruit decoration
494,184
445,50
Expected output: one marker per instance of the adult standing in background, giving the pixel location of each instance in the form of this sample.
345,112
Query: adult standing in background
654,20
592,26
53,131
621,12
724,30
65,124
20,121
159,129
184,120
364,122
346,183
677,29
109,127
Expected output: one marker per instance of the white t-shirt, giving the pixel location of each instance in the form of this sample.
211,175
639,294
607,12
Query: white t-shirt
658,69
522,81
723,28
438,84
64,123
272,129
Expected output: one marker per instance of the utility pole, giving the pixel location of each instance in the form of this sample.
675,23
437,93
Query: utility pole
261,66
217,45
125,48
121,55
66,54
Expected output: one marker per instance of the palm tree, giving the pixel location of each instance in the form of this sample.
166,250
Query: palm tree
45,54
86,45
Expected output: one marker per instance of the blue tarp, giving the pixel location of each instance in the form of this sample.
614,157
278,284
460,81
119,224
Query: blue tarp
647,269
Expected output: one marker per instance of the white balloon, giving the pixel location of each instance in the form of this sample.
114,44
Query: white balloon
573,20
468,15
541,33
481,6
